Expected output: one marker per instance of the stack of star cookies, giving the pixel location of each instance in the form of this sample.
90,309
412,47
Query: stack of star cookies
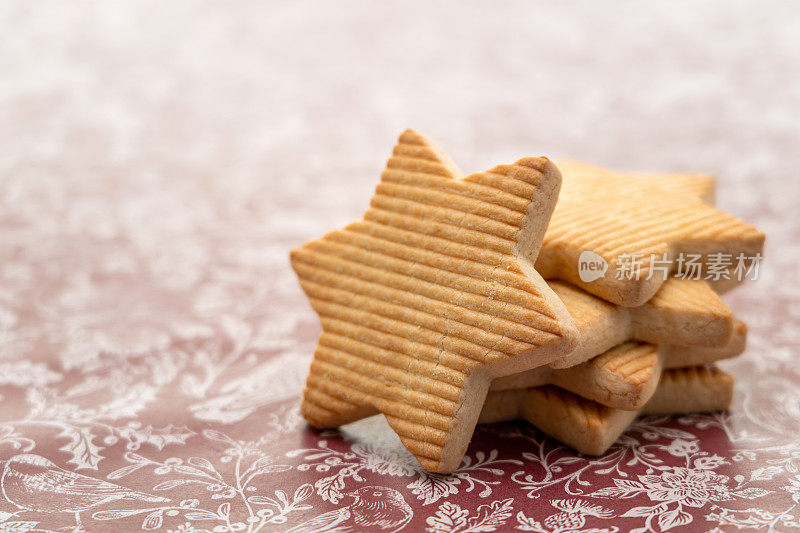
556,294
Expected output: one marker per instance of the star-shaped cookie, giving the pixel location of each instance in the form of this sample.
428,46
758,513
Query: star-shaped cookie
642,216
625,376
684,313
431,296
591,428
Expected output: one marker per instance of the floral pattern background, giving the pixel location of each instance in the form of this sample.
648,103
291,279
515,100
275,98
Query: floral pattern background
159,159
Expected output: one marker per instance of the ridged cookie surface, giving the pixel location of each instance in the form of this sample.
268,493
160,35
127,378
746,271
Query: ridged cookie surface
431,295
613,214
682,313
625,377
590,427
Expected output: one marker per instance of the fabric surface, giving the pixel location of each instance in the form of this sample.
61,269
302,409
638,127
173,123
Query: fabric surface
159,159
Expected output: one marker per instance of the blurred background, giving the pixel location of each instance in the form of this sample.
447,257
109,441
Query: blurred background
267,104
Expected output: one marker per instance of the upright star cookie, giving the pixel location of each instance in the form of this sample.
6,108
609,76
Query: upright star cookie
431,296
618,216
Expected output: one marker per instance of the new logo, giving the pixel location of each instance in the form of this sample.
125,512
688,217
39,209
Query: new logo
591,266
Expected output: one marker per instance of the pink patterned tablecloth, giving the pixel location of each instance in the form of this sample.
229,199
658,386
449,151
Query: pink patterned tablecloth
158,160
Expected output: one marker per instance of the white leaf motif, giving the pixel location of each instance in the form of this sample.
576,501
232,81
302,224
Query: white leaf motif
525,523
644,511
171,484
623,488
673,518
116,514
449,518
765,473
153,520
432,487
330,488
490,517
751,493
124,471
161,437
85,453
20,526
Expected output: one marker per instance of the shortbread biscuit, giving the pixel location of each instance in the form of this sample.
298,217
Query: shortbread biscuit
682,313
701,185
626,376
613,214
430,296
591,428
678,356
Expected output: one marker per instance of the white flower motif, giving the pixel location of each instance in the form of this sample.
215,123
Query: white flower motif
683,447
451,518
694,488
709,463
573,514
